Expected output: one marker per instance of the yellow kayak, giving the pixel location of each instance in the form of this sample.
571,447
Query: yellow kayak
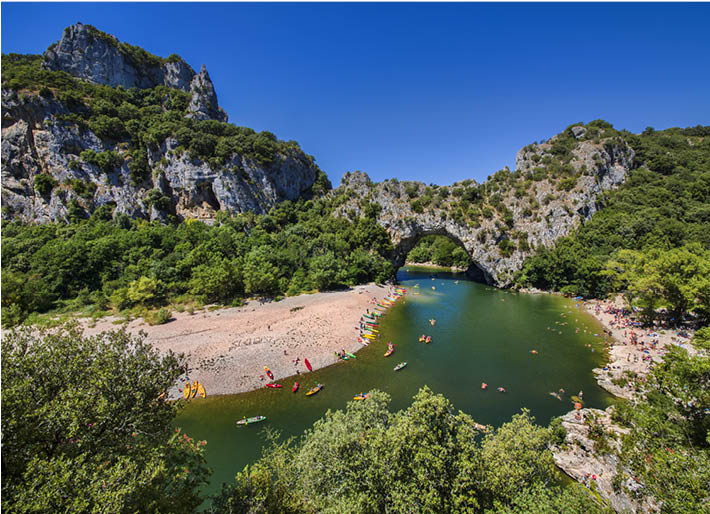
195,385
187,390
201,391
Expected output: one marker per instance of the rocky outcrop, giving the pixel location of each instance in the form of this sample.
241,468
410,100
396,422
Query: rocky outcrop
92,55
89,54
36,142
590,456
203,105
536,211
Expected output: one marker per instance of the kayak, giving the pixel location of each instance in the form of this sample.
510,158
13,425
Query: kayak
362,341
195,384
268,372
201,391
361,396
314,390
483,385
308,364
352,356
389,351
188,390
255,419
274,386
295,387
400,366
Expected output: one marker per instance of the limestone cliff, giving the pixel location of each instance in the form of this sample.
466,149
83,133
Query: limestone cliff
160,149
87,53
500,222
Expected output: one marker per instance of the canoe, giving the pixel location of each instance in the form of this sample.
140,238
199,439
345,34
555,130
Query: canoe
201,391
314,390
255,419
195,384
295,387
400,366
352,356
361,396
268,372
308,364
188,390
389,351
274,386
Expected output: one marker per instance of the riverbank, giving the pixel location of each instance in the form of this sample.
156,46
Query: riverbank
632,350
227,349
431,265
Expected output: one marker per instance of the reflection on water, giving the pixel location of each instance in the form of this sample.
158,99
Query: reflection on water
482,334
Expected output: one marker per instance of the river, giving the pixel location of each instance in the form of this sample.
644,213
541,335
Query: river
482,334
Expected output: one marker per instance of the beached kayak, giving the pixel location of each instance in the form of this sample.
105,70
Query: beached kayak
308,364
274,386
314,390
247,421
188,390
352,356
201,391
269,373
195,385
295,387
400,366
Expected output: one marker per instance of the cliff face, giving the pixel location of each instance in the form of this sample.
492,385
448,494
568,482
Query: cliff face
89,54
499,223
35,142
67,152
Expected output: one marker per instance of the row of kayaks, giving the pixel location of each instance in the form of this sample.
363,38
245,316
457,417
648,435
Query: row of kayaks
193,390
296,387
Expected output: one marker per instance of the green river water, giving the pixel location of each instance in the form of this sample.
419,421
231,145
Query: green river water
482,334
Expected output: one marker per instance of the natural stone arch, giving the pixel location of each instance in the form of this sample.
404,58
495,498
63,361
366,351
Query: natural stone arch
406,244
504,234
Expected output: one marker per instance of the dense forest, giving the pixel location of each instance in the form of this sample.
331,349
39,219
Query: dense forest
63,450
135,266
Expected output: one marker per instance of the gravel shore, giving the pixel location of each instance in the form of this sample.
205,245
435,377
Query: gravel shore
227,349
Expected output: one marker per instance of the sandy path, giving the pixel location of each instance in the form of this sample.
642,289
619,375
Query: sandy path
227,349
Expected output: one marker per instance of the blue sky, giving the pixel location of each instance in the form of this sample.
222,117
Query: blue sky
430,92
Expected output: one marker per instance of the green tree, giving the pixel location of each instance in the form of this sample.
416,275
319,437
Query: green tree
86,426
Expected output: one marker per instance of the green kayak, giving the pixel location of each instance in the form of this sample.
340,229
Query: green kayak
255,419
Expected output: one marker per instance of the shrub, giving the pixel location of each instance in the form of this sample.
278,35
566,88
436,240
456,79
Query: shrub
44,183
159,317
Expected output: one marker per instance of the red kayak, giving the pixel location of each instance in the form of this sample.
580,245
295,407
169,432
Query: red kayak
268,372
275,386
295,387
308,364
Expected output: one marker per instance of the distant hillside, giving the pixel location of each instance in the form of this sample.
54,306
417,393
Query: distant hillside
100,126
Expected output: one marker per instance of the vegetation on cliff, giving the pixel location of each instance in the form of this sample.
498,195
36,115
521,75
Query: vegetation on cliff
141,120
658,221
